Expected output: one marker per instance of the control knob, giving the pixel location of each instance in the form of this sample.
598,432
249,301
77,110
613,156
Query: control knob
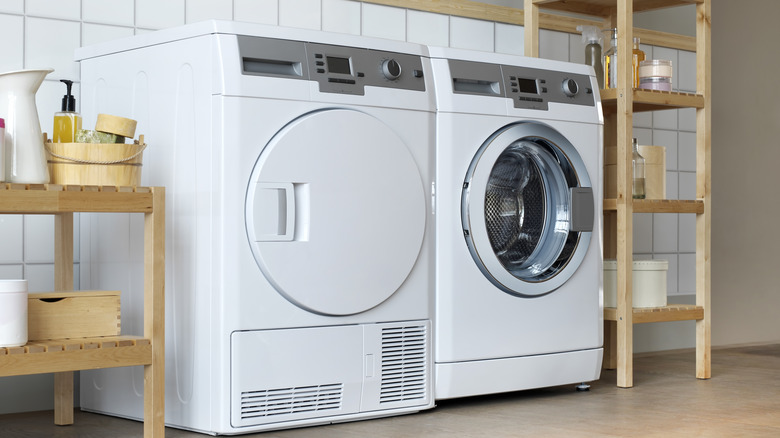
570,87
391,69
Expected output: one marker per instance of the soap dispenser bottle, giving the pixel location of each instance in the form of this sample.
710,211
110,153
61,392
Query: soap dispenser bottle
67,121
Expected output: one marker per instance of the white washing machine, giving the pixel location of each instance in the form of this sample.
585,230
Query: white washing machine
298,168
518,223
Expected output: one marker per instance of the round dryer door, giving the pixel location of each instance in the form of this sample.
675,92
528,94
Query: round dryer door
336,211
527,209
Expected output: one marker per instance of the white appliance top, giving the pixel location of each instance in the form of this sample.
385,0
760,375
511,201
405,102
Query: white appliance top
436,52
211,27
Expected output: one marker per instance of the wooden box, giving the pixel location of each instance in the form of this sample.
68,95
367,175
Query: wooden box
655,171
79,314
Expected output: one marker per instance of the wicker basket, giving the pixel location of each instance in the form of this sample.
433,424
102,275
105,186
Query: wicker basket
100,164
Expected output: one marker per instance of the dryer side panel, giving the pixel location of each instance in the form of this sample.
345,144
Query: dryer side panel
167,89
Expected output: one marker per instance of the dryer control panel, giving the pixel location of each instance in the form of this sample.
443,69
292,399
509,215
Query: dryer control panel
529,88
337,69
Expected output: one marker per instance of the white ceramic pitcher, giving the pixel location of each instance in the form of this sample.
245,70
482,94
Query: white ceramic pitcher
25,155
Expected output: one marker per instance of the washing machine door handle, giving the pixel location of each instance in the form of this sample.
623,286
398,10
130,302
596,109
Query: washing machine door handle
582,208
277,223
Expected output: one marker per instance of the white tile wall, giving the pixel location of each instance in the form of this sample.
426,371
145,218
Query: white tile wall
428,28
116,12
44,33
341,16
199,10
300,13
553,45
12,6
510,39
11,33
467,33
98,33
61,9
155,14
256,11
50,43
384,22
11,229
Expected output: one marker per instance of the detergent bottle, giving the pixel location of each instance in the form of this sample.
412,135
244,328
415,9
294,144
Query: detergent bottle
591,35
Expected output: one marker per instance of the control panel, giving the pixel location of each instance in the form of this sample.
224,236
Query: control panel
535,89
529,88
337,69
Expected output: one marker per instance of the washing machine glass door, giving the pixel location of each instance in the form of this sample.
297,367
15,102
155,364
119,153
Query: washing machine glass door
527,209
336,212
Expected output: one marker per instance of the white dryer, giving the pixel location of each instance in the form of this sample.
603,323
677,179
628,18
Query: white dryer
518,223
298,168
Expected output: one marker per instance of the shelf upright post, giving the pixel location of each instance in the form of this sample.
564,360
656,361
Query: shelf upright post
703,187
531,28
63,281
154,314
625,329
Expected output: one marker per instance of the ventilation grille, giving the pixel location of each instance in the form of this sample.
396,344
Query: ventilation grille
404,364
287,401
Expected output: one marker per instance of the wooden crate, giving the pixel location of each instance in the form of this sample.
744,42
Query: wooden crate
80,314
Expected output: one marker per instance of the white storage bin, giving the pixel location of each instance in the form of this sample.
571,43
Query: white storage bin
648,279
13,313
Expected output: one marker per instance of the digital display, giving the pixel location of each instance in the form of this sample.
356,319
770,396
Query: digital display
338,65
527,85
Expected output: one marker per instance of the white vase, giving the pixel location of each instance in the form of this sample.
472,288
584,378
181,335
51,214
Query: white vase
25,159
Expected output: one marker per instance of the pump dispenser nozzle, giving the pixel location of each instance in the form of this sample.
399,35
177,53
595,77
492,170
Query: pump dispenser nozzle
67,121
68,101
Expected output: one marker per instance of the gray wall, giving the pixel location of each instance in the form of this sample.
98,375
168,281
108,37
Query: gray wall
745,158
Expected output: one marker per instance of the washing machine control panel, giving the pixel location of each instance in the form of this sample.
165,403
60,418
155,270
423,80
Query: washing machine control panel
535,88
337,69
529,88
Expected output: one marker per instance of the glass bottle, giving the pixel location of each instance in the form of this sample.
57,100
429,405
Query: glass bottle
638,168
637,56
610,61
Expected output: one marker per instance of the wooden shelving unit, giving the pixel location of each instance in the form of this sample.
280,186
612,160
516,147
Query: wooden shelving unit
619,104
64,356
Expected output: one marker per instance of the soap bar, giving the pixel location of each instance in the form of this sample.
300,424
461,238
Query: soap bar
87,136
115,125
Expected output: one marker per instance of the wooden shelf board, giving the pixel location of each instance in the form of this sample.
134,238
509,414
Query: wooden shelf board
58,355
652,100
603,8
675,312
55,198
660,206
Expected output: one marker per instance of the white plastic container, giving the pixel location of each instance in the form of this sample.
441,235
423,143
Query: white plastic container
648,279
13,313
655,74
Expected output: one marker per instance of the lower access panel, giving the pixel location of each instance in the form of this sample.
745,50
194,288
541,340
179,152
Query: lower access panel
295,374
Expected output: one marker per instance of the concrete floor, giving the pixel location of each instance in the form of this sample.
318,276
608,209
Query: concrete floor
742,399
